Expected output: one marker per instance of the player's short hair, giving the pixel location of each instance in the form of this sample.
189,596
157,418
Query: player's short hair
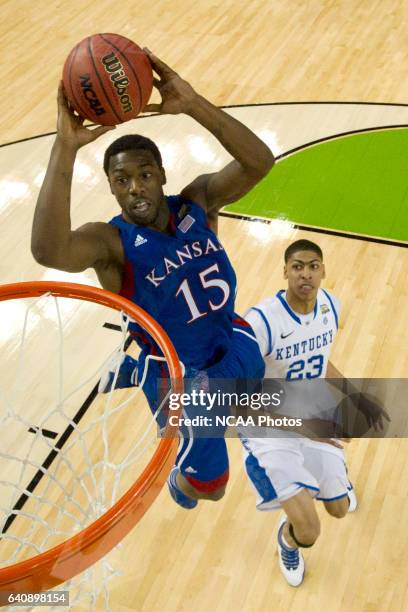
131,142
302,245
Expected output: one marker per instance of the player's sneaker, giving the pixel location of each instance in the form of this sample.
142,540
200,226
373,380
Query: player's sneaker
352,498
127,375
291,561
179,497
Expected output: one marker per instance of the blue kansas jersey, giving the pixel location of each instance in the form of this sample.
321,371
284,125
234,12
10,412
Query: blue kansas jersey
184,280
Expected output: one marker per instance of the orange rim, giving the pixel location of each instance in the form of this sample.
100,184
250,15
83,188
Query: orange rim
79,552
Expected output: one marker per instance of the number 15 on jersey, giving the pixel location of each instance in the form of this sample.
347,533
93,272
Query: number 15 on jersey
222,285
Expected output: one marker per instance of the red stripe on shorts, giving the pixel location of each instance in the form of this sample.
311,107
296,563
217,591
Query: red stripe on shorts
208,486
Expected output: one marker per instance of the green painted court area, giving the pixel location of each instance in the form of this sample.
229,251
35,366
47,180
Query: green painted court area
356,183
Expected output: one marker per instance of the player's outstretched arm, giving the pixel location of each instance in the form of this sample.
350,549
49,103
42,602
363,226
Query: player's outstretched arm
252,158
53,244
369,406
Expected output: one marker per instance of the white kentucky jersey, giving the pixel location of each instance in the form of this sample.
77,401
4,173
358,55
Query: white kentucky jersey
295,346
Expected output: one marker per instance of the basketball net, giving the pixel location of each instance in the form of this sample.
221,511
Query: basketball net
77,468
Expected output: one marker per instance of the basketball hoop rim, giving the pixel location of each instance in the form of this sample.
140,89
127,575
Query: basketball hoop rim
73,556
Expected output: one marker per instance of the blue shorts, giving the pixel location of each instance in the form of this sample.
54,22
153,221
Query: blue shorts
204,461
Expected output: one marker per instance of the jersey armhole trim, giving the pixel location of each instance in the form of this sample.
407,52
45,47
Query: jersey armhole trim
268,328
286,306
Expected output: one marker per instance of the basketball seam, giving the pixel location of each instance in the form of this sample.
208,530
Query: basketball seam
100,81
80,109
131,68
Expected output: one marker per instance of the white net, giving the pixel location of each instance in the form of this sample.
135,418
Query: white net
67,452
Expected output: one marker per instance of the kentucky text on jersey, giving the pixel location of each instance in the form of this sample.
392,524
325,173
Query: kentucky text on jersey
295,346
166,267
300,348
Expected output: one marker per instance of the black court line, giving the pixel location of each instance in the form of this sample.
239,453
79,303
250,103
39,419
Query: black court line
319,230
327,102
227,106
112,326
339,135
38,476
47,433
13,142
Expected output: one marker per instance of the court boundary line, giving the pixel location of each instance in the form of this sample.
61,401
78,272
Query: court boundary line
227,106
339,135
311,228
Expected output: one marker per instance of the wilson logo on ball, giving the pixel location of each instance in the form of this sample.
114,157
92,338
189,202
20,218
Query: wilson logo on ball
107,78
90,94
118,77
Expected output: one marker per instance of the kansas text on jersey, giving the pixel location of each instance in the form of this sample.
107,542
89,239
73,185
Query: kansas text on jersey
184,279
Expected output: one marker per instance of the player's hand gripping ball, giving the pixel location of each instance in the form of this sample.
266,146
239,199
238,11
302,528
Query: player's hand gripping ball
108,79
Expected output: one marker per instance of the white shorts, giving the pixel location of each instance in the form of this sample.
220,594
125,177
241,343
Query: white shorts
279,468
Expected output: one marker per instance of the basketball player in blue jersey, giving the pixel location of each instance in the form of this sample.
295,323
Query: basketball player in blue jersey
163,254
295,330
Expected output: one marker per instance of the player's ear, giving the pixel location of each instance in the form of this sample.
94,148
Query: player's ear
163,174
285,271
324,271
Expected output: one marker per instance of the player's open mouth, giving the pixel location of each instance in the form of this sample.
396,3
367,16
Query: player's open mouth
306,287
140,206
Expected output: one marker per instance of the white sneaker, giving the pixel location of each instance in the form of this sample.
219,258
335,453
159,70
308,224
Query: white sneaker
291,561
353,503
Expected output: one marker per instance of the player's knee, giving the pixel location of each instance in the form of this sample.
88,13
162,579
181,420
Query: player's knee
339,508
216,495
306,532
212,490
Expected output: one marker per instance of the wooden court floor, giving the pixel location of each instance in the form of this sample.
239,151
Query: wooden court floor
223,555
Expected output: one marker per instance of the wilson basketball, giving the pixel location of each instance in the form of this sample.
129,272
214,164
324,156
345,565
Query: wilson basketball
107,78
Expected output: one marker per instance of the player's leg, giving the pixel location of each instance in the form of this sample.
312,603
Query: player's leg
302,525
201,471
121,373
201,468
275,467
299,528
211,495
337,508
328,466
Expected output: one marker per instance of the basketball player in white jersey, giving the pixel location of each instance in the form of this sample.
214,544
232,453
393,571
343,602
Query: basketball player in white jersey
295,331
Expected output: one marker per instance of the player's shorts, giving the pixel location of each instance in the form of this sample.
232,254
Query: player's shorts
204,461
278,469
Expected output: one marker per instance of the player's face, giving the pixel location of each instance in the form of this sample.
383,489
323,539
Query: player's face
136,181
304,272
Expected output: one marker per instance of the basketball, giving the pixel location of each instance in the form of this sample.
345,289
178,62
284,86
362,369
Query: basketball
108,79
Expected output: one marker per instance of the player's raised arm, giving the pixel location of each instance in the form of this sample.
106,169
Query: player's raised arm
252,158
53,243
